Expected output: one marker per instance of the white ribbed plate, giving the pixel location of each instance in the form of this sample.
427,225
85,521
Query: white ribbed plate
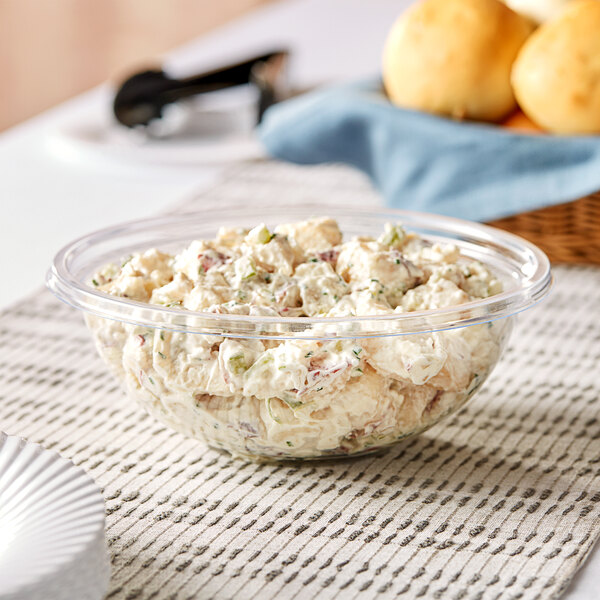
52,543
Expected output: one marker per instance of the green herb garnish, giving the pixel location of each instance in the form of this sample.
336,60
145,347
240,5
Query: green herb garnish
237,364
293,404
270,411
264,236
394,235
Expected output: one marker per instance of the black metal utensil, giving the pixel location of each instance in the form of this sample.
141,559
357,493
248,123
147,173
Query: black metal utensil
142,97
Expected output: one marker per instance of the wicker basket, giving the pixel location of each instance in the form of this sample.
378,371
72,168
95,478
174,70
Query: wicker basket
567,233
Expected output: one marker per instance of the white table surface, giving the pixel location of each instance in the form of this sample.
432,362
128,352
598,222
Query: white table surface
48,198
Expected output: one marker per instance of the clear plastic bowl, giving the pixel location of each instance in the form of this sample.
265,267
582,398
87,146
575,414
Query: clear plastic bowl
354,415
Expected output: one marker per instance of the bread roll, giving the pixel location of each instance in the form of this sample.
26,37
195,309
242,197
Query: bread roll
454,57
556,76
538,11
521,123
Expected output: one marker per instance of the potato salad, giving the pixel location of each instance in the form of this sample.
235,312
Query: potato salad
300,398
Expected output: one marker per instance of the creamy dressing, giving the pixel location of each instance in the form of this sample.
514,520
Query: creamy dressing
300,398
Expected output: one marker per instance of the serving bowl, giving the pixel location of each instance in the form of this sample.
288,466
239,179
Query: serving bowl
170,359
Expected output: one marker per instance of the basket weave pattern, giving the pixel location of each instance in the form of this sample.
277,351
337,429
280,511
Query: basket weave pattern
567,233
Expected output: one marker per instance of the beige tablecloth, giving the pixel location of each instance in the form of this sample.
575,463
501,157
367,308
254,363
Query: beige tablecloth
500,501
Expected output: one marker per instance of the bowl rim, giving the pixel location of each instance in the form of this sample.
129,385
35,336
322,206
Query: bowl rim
535,281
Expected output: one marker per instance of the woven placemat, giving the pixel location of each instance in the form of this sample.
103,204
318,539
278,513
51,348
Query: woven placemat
500,501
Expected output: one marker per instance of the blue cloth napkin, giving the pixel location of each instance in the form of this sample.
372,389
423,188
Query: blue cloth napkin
422,162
